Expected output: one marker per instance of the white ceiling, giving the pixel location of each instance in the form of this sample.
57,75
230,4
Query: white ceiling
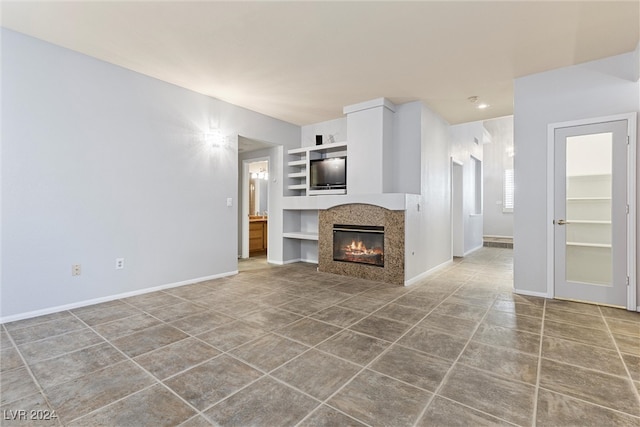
303,61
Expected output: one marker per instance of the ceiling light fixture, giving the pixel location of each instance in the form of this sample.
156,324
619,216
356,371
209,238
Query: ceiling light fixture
480,106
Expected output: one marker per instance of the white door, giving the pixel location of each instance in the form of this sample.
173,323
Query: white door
591,208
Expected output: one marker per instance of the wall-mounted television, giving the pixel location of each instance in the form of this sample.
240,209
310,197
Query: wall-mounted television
328,174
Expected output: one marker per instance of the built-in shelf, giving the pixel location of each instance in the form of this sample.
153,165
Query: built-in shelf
328,148
572,199
301,235
298,166
298,163
301,150
587,221
297,187
302,174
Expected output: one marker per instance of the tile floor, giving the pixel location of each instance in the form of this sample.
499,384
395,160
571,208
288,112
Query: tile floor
279,346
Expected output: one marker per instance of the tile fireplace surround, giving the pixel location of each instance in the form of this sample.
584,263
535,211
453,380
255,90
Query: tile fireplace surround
364,214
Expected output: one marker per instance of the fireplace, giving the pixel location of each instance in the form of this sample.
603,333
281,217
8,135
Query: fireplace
360,244
384,233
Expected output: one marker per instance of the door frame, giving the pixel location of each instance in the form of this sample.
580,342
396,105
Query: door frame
457,208
631,119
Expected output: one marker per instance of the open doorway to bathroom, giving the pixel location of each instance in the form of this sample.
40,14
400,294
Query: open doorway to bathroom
257,193
258,182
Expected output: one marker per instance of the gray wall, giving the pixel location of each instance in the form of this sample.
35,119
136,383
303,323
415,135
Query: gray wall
336,128
428,214
406,148
496,158
99,162
593,89
436,183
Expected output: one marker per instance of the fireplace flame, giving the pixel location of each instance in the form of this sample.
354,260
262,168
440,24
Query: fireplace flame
358,248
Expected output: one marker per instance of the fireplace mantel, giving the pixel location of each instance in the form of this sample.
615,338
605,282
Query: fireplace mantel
390,201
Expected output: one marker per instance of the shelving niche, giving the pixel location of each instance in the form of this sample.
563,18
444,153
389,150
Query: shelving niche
588,239
298,166
302,224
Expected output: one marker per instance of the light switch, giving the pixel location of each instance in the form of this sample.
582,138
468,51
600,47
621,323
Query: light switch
229,201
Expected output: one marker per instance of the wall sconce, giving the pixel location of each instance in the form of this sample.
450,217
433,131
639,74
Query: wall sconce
214,138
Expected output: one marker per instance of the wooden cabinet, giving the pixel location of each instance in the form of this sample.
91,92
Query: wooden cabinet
257,235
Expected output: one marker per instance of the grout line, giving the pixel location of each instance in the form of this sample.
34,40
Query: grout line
130,359
539,369
587,402
455,362
624,364
33,378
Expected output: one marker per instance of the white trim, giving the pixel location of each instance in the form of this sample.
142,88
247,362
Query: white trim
530,293
631,119
421,276
551,130
632,216
474,249
366,105
497,237
93,301
292,261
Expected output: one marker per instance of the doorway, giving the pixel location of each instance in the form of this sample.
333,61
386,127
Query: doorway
593,212
256,179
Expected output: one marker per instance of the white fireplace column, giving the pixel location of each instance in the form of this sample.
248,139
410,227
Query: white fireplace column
370,142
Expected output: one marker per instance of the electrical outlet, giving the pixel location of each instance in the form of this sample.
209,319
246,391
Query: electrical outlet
76,270
119,263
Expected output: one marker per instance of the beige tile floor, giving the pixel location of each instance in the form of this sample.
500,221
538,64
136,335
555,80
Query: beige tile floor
279,346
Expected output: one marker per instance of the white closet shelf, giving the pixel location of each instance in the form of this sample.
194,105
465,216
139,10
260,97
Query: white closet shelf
587,221
571,199
302,174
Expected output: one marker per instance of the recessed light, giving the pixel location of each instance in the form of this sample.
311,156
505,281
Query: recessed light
482,106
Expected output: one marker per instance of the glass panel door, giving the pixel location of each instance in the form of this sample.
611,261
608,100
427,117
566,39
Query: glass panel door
590,201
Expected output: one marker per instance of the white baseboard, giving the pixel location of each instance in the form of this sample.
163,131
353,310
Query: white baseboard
421,276
49,310
293,261
530,293
474,249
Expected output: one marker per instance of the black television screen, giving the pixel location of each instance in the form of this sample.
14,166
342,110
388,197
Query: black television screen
328,173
